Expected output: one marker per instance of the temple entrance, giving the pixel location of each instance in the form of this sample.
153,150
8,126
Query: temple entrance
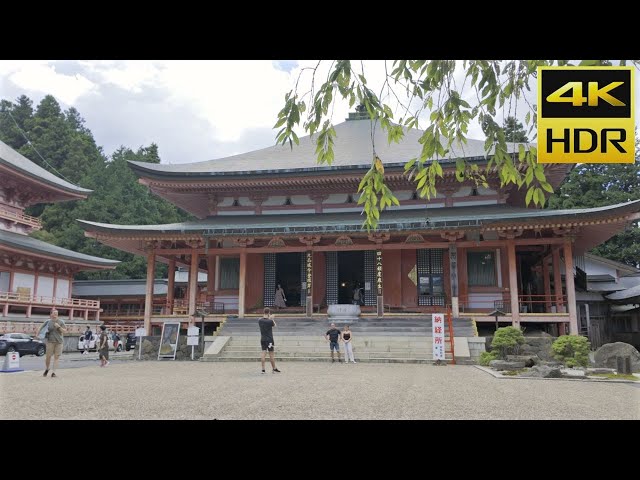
289,276
350,275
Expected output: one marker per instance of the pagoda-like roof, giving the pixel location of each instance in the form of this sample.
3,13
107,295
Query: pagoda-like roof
390,220
353,150
24,243
597,224
19,164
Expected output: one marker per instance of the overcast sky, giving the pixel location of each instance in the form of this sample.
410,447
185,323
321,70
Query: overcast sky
193,110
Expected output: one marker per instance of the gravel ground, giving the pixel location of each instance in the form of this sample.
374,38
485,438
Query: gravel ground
195,390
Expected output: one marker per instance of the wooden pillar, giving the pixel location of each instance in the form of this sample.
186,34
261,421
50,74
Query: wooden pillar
513,283
557,280
380,297
547,285
453,275
212,261
193,283
571,289
309,301
217,284
86,314
171,285
71,312
148,297
242,284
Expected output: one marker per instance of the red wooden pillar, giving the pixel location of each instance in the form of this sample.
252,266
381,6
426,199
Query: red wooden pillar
193,283
171,285
547,285
571,289
148,297
513,284
242,284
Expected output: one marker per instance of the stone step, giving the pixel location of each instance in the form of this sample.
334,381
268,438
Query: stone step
326,360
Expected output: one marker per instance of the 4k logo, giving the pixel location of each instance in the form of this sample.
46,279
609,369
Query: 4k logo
585,115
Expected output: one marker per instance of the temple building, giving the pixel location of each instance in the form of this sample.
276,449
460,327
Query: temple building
275,217
34,275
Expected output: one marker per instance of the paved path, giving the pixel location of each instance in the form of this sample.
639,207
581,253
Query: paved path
195,390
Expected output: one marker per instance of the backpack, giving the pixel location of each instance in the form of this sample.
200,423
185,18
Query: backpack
43,333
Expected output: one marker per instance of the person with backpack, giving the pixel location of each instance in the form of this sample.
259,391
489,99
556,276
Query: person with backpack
55,339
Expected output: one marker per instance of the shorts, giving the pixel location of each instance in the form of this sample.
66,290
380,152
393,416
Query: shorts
54,348
267,346
104,353
334,346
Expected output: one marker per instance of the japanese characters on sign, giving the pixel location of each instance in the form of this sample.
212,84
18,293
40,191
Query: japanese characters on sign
379,271
309,272
437,320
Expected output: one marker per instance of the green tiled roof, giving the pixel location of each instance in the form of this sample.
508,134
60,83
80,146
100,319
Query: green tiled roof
15,161
390,220
30,244
352,149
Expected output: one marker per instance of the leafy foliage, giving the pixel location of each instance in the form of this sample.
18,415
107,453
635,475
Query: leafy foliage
71,152
426,87
572,350
506,341
486,357
597,185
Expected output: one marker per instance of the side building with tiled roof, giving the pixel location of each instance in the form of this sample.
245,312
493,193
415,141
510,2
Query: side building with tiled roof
34,275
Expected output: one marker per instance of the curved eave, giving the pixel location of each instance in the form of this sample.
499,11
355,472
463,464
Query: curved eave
21,165
396,220
23,244
630,295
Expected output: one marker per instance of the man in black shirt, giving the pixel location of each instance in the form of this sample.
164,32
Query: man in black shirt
333,336
266,324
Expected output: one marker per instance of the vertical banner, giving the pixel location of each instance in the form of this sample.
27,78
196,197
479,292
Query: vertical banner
379,271
309,273
309,284
437,321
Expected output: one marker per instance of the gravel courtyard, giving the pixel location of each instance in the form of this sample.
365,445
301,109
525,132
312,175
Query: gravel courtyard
195,390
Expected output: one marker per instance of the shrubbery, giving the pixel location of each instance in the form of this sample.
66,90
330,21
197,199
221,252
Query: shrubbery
506,341
486,357
572,350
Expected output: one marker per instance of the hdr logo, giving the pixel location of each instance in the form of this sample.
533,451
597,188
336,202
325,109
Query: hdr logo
585,115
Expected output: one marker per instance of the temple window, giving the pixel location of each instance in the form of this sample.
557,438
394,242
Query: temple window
481,269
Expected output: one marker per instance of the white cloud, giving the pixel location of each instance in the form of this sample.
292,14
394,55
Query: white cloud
194,110
43,78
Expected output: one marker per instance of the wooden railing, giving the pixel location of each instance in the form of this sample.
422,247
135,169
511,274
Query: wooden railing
527,304
33,222
15,298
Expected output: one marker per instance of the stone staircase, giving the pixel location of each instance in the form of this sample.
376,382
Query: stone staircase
387,339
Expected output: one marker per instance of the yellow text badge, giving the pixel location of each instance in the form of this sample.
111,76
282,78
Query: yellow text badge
586,115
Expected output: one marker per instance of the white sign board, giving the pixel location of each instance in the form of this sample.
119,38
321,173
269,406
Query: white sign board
12,361
191,331
437,328
367,286
192,341
141,332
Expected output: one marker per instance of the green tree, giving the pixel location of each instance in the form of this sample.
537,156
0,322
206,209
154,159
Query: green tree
596,185
70,150
514,130
424,87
